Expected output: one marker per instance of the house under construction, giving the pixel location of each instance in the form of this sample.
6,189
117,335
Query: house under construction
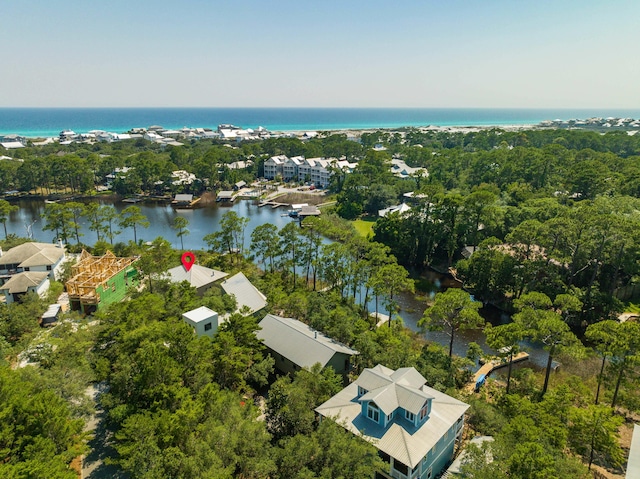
98,281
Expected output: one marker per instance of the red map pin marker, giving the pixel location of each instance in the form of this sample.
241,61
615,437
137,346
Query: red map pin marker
188,258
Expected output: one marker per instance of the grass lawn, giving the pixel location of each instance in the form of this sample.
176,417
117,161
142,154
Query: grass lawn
364,227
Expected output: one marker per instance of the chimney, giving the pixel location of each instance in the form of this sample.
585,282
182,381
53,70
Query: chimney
60,245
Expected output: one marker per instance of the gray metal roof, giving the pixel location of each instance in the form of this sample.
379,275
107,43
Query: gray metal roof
390,389
32,254
21,282
374,378
246,294
183,197
298,342
400,440
198,276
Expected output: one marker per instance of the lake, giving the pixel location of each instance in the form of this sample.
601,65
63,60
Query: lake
203,221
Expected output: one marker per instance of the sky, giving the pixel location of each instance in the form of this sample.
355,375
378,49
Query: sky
330,53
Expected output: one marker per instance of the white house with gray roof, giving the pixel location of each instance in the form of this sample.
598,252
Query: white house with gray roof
200,277
32,257
294,346
26,282
414,427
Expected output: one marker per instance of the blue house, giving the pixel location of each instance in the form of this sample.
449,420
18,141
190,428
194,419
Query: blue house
414,427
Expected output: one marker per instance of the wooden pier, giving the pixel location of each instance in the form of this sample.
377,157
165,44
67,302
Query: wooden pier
273,204
487,368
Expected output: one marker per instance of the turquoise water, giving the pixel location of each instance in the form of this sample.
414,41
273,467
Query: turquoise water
41,122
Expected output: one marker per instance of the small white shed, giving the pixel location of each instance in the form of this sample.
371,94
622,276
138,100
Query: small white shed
204,321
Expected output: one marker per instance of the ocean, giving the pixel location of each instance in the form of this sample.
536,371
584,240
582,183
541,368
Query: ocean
45,122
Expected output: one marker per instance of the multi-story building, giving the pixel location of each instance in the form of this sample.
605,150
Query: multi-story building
273,166
414,427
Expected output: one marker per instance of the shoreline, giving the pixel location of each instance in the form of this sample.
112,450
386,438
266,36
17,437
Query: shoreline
462,128
49,122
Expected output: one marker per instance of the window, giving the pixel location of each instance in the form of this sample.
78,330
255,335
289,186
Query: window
423,411
207,327
373,412
390,416
48,267
429,472
361,391
409,415
26,268
400,467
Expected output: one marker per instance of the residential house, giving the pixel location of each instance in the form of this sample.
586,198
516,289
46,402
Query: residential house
67,135
30,257
200,277
98,281
414,427
13,141
153,136
248,298
26,282
205,322
294,346
400,169
400,209
182,177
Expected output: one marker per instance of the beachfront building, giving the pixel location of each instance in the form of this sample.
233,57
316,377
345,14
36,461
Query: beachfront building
98,281
414,427
294,345
33,257
204,321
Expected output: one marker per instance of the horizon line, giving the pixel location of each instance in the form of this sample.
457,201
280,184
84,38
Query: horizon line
329,107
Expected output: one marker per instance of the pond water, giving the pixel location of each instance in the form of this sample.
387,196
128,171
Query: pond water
203,221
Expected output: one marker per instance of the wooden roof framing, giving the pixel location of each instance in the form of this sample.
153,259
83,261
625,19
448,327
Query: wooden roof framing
93,271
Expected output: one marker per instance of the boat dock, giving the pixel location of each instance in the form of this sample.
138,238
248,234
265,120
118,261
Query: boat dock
184,201
487,368
273,204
